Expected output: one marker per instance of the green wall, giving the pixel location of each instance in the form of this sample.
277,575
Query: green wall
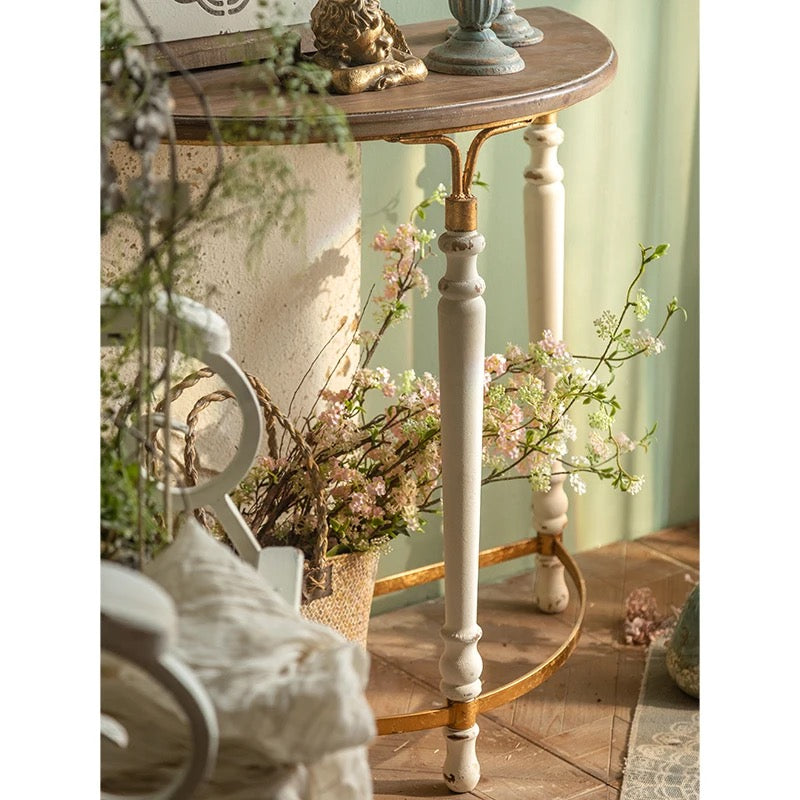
631,175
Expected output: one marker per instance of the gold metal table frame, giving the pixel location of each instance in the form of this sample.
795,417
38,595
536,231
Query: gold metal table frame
462,715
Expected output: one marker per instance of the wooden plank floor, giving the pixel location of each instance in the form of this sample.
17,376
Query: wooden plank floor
566,739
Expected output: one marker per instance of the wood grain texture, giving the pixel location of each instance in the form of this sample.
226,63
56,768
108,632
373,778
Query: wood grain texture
572,63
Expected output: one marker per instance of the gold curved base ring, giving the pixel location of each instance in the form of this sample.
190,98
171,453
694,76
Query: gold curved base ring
461,716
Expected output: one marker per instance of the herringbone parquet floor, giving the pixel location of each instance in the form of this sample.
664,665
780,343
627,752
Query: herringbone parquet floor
566,739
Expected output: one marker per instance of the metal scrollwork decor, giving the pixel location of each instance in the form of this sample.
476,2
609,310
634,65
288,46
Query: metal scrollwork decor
219,8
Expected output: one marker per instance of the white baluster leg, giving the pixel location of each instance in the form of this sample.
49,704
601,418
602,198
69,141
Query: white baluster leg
544,252
462,330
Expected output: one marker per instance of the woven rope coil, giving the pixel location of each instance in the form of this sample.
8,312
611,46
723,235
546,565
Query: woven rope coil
317,573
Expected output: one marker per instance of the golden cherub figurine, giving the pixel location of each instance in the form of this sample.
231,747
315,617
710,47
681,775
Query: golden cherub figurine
362,47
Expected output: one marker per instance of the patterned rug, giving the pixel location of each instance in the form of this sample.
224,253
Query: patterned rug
663,761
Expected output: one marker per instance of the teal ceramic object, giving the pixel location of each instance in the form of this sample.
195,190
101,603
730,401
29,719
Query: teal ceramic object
514,30
473,48
683,649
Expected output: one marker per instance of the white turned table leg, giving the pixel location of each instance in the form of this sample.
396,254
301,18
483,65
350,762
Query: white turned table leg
461,768
544,255
462,330
550,592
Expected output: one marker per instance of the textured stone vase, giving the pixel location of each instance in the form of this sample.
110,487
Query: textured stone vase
473,48
683,648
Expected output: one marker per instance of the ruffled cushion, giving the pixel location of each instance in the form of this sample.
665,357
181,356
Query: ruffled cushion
288,693
292,688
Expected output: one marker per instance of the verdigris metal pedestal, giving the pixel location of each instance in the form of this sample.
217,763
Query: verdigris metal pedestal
514,30
473,48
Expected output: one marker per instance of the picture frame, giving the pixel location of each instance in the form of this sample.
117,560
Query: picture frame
211,33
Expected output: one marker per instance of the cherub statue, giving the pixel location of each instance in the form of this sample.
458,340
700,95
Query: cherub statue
362,47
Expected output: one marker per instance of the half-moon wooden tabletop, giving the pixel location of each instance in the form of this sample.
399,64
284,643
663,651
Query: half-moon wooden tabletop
573,62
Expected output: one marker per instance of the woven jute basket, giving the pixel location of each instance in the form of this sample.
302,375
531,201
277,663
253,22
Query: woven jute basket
348,606
337,591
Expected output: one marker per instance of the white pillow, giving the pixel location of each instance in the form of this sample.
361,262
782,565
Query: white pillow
291,689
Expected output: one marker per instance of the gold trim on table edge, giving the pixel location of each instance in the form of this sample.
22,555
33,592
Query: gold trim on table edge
460,716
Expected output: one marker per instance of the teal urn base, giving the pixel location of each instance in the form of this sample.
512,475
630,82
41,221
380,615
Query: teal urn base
473,48
514,30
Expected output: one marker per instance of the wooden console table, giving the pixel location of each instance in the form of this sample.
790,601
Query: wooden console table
572,63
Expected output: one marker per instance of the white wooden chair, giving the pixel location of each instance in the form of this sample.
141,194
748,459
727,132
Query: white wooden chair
206,337
138,622
138,618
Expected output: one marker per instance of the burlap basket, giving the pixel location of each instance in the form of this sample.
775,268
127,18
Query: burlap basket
348,606
338,590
